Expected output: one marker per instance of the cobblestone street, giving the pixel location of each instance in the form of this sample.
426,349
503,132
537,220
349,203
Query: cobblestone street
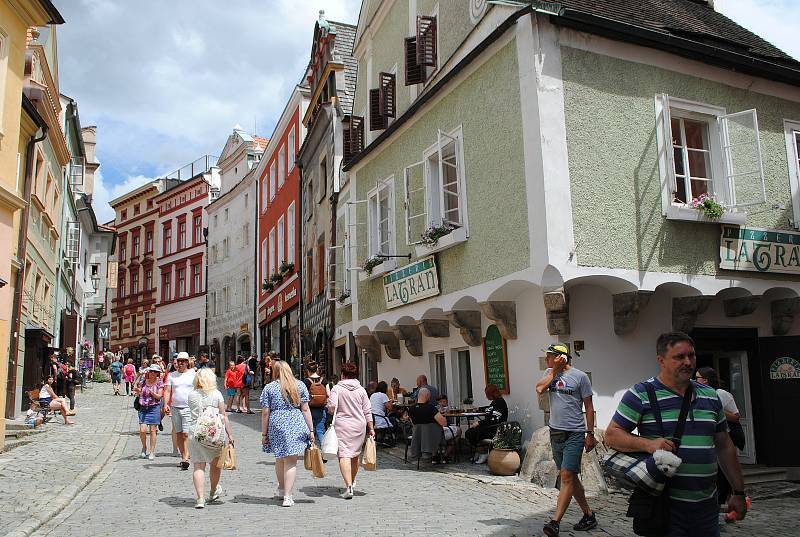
127,493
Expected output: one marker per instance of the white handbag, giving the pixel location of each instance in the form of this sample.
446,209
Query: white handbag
330,442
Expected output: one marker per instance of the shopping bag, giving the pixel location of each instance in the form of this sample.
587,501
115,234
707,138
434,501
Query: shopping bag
369,459
227,457
307,458
330,444
317,466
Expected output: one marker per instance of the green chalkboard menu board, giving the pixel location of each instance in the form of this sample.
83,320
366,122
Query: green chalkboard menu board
495,360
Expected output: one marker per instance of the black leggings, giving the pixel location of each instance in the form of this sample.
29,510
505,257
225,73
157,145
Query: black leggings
71,395
479,433
128,387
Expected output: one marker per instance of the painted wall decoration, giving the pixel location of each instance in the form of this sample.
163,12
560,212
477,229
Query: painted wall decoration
784,368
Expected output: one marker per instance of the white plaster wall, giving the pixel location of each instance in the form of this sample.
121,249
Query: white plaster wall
183,310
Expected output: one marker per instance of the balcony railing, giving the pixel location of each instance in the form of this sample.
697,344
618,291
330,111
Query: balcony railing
201,165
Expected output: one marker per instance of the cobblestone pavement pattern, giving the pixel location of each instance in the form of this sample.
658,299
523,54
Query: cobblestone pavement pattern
129,494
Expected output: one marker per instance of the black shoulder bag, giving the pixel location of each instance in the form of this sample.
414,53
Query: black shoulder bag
651,513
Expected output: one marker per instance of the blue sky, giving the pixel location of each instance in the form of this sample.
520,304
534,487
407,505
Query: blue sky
165,82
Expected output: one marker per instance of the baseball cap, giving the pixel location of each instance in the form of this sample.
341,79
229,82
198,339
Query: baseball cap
155,368
183,356
557,348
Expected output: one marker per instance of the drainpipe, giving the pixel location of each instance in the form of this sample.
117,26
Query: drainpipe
22,241
332,261
255,340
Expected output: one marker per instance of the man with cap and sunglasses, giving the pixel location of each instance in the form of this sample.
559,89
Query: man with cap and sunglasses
570,391
179,385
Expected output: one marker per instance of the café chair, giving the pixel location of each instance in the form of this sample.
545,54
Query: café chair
384,431
427,438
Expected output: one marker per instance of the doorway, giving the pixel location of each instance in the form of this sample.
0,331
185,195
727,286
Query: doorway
734,376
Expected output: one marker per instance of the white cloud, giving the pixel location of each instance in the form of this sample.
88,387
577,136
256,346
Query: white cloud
165,82
104,193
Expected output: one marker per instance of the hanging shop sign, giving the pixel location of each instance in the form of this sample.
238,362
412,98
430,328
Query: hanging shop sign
759,250
283,300
495,359
784,368
411,283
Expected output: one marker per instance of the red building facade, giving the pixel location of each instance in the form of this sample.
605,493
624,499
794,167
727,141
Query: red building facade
279,234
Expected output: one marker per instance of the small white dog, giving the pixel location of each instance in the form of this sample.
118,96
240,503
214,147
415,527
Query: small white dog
667,462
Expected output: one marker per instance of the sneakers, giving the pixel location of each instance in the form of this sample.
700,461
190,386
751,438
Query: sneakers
143,454
288,501
215,495
152,456
348,493
551,529
200,503
586,523
278,494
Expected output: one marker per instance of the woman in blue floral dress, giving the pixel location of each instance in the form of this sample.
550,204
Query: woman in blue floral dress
286,425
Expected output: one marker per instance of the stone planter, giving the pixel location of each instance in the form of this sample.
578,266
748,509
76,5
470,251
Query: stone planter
503,461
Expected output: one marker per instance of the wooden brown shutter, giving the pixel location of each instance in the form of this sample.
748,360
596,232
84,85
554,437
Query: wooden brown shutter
353,136
387,94
426,41
377,121
415,73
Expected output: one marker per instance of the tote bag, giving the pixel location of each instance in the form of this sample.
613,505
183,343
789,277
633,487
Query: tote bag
227,458
330,442
370,458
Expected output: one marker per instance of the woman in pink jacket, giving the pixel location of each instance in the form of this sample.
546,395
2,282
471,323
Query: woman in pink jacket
352,417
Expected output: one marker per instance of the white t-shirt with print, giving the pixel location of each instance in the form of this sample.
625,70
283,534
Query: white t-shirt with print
728,403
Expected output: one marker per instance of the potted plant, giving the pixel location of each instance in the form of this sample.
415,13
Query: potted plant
286,267
371,263
708,205
276,278
432,235
504,457
343,297
267,285
467,401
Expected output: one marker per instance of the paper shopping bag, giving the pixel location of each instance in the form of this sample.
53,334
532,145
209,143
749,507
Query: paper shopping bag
307,458
227,458
369,460
317,466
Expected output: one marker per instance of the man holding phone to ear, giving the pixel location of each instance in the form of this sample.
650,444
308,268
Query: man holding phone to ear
570,391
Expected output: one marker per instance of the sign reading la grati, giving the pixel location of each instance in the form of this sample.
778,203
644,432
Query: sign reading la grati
760,250
411,283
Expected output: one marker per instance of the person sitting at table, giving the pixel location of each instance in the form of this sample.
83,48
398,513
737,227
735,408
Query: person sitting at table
425,412
441,403
381,406
495,413
395,389
371,386
422,382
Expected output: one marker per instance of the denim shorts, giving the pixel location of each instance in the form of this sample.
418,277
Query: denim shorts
231,392
567,449
150,415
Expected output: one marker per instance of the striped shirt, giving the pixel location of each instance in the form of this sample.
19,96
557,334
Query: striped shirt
696,478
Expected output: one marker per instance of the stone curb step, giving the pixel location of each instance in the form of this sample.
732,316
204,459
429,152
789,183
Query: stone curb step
20,433
11,444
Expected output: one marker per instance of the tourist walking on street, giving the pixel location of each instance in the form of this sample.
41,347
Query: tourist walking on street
150,392
693,508
49,399
570,391
205,394
230,385
72,380
246,376
252,364
179,384
266,364
116,374
352,416
286,426
318,399
129,375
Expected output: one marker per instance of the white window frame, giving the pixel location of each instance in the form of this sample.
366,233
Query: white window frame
720,182
281,165
291,256
322,179
264,193
271,247
292,149
281,240
434,205
792,129
273,172
264,260
344,258
374,217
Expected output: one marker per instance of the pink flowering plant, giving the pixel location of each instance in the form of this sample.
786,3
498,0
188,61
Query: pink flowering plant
709,205
432,235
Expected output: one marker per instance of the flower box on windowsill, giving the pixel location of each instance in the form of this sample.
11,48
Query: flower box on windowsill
344,301
457,236
388,265
689,214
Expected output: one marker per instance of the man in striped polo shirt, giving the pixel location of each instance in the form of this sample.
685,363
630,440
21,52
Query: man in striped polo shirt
694,510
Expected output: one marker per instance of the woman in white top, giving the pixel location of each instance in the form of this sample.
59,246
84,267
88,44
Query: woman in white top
206,394
49,399
381,404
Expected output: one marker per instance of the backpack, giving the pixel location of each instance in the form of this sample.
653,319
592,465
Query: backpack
319,395
209,430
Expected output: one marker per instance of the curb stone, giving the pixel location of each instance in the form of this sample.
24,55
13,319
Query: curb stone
69,492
